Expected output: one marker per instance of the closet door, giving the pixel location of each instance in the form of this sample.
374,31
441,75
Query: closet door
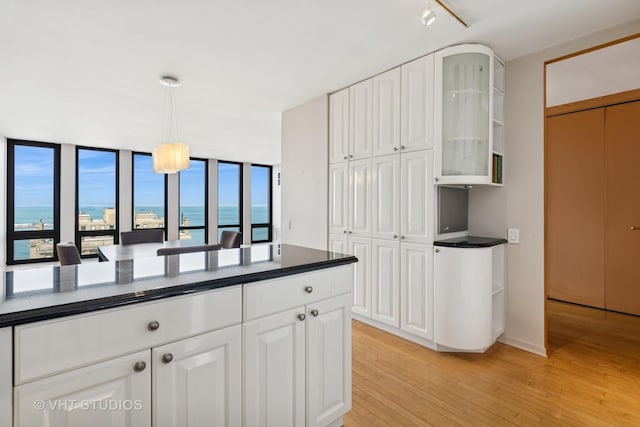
575,207
622,244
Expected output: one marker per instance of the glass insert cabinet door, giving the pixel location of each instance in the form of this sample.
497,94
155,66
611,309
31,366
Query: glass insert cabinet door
464,112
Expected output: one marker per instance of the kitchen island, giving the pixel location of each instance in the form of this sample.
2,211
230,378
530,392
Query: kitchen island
180,340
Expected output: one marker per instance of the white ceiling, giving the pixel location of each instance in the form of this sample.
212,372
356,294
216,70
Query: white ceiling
86,71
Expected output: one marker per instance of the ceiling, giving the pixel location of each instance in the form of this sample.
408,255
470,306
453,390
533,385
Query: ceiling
86,71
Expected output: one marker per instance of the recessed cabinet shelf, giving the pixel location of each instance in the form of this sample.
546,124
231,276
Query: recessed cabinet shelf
469,116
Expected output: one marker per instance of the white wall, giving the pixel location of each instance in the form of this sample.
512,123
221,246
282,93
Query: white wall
67,192
304,179
125,207
524,164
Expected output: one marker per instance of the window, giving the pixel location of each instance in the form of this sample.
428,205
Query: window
260,203
33,201
96,199
193,202
229,197
149,194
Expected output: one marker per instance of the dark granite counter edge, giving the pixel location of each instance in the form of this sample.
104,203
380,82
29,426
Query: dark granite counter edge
56,311
469,245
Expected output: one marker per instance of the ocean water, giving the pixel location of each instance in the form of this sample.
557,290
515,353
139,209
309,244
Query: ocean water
27,217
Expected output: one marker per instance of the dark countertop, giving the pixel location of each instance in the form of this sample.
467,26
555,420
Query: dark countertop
470,242
36,294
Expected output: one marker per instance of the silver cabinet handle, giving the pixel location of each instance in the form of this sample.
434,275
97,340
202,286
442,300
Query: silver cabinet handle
395,236
153,325
140,366
635,228
344,231
401,237
167,358
315,313
345,157
395,148
437,250
351,156
436,179
301,317
403,146
350,231
308,289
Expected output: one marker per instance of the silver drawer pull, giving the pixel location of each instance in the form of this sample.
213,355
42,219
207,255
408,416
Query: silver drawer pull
140,366
301,317
167,358
153,325
308,289
315,313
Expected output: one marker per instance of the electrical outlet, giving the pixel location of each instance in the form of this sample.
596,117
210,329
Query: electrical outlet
513,235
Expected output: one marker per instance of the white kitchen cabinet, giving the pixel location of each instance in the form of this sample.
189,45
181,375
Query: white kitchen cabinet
198,381
385,282
338,197
329,360
339,126
386,112
274,369
417,197
417,104
469,104
361,249
359,208
469,289
339,243
416,290
361,120
6,376
115,393
386,197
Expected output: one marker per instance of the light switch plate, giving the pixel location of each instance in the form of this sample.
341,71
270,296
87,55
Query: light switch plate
513,235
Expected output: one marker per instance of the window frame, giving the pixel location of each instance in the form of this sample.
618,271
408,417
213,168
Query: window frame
268,225
240,198
204,227
81,233
12,234
133,186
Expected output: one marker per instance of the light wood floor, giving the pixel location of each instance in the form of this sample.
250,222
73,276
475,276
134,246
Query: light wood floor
591,378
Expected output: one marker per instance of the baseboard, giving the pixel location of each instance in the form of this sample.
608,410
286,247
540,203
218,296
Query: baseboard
397,332
524,345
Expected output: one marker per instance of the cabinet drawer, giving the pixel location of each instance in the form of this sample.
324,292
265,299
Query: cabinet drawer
272,296
48,347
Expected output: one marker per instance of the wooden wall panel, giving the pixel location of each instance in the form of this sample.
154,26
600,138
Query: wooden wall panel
622,244
575,207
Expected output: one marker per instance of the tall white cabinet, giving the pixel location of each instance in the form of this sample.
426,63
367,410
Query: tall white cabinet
389,198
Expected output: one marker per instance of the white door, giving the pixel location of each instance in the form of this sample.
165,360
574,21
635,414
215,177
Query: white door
339,126
417,104
385,282
198,381
386,197
329,358
417,200
361,120
360,198
274,376
386,112
339,243
338,197
116,393
361,249
416,279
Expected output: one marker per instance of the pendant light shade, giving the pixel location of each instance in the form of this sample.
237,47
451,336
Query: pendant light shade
171,156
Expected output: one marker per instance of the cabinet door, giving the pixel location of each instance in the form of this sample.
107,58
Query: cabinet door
198,381
108,394
386,197
416,279
339,243
360,198
6,375
339,126
417,104
338,197
385,282
417,207
329,356
386,112
361,120
274,376
361,248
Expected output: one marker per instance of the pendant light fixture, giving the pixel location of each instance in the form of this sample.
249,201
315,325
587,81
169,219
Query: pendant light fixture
172,155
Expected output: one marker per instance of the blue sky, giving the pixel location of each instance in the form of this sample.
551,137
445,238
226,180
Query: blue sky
97,185
33,176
